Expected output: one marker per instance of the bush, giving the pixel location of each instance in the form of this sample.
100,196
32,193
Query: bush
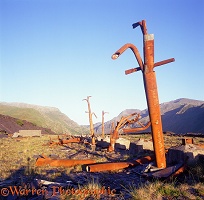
19,122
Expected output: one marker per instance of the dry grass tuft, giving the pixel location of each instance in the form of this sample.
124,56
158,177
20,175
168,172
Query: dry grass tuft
159,190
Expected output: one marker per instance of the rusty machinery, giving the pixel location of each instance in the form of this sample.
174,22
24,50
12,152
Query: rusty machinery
125,121
150,85
91,121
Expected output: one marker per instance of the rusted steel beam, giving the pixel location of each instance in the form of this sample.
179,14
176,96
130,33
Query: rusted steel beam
118,165
62,162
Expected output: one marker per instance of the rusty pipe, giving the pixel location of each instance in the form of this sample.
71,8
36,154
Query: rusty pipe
152,97
129,71
163,62
108,166
134,50
134,130
62,162
118,165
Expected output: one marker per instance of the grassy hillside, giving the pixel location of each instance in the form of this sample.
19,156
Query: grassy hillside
46,117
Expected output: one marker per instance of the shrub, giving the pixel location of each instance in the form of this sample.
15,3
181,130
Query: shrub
19,122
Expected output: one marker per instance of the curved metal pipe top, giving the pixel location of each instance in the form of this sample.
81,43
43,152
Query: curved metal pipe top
134,50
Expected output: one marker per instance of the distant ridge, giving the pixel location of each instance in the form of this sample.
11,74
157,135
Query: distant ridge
43,116
179,116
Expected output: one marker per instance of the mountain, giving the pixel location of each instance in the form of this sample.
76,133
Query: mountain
43,116
179,116
108,124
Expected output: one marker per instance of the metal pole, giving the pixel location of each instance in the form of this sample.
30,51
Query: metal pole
151,92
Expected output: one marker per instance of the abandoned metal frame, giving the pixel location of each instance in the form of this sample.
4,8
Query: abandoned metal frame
150,85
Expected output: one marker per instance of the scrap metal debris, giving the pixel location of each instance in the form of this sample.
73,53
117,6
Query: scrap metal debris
124,121
62,141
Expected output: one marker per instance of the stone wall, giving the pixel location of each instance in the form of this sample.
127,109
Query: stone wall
27,133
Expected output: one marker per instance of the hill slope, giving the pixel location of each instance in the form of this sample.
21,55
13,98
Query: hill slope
47,117
11,125
178,116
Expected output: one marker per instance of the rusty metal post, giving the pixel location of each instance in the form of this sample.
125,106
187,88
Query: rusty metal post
91,121
151,91
103,134
150,86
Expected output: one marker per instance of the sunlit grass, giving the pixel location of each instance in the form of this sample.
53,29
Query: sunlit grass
16,153
159,190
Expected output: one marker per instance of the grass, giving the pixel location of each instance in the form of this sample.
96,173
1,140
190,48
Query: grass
16,153
159,190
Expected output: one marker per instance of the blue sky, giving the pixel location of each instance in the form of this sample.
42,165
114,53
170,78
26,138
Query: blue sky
58,52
